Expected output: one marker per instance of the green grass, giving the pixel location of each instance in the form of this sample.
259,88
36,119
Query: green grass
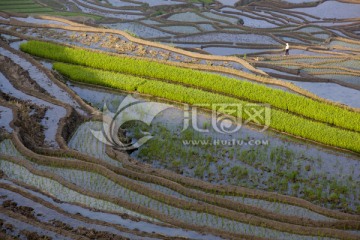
280,120
92,76
16,5
285,101
7,3
73,14
30,7
30,10
23,7
204,2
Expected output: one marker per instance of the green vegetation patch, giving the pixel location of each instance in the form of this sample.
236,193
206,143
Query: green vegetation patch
203,2
7,3
289,102
23,7
93,76
282,121
30,10
74,14
20,7
30,7
16,6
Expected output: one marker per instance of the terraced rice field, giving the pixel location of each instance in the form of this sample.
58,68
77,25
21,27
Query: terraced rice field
23,6
40,8
179,119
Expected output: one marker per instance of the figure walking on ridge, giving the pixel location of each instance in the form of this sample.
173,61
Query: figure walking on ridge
287,49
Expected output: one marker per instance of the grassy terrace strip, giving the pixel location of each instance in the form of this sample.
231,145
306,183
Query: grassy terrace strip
280,120
300,105
23,6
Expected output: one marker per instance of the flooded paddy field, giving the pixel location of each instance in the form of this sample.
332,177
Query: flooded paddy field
179,119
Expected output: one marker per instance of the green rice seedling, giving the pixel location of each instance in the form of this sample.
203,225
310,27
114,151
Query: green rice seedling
319,111
31,10
280,120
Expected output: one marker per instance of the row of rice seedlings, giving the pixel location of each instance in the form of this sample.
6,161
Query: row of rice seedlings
279,168
325,61
97,183
168,191
281,208
288,64
16,2
280,120
277,207
345,45
351,64
85,142
110,42
330,187
342,77
17,7
20,173
29,10
254,92
7,148
104,217
152,149
47,214
324,69
308,61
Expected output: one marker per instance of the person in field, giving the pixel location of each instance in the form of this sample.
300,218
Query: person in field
287,49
